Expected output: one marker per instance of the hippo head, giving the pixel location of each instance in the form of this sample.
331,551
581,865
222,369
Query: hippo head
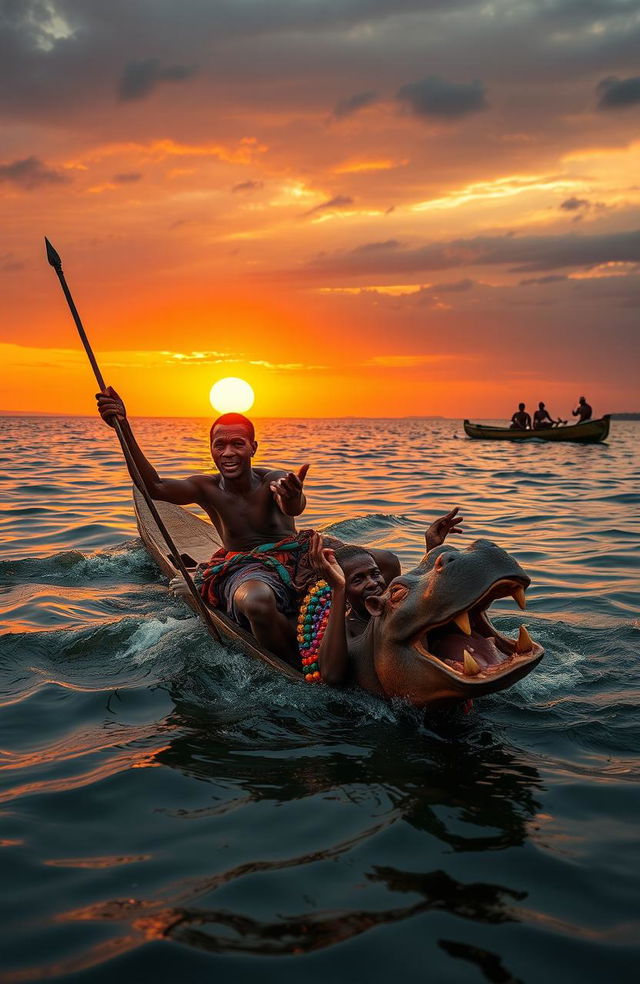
432,640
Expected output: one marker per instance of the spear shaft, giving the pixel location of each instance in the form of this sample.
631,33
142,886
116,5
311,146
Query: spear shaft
54,259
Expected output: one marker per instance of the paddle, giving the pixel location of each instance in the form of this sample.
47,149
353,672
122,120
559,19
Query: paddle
56,263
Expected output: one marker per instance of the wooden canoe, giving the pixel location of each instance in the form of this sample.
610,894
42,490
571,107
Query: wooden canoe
196,541
591,431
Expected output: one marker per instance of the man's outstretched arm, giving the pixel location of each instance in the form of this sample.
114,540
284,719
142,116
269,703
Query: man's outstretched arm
111,406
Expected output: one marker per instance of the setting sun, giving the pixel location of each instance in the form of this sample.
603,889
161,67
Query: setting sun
231,395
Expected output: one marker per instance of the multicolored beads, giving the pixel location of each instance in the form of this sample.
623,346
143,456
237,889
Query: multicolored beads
312,622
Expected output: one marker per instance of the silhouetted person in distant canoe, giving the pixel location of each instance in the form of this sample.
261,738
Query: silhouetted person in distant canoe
521,419
541,418
583,410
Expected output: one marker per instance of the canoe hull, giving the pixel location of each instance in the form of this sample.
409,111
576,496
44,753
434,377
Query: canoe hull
589,432
196,541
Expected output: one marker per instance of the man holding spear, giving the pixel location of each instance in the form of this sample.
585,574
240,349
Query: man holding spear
256,576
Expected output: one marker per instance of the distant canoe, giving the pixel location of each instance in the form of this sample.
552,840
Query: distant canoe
591,431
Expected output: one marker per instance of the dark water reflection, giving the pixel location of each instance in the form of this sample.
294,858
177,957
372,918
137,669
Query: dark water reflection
410,777
169,810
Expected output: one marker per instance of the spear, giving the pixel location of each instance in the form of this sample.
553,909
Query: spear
55,261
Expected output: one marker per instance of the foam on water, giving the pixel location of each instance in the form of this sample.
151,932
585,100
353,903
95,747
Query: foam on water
75,567
558,674
156,636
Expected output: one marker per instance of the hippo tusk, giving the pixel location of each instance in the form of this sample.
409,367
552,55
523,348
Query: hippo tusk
519,597
524,643
463,623
471,668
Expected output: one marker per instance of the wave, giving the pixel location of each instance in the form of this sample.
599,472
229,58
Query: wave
101,654
127,559
361,526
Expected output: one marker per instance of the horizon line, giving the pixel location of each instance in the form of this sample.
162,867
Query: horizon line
410,416
148,416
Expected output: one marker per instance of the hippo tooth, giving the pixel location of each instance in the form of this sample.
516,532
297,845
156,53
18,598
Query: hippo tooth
471,668
462,621
524,643
518,595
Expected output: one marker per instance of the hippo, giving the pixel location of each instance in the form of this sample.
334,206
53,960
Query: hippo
429,640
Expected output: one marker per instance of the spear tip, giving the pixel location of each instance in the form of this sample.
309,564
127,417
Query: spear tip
52,256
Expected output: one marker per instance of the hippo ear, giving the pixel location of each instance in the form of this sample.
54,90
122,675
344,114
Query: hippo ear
376,605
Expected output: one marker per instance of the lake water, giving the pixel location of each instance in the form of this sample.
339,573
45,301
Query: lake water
172,811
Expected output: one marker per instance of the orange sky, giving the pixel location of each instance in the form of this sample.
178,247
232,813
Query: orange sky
360,207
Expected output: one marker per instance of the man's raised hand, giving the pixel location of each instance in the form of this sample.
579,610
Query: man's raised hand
110,406
440,529
288,493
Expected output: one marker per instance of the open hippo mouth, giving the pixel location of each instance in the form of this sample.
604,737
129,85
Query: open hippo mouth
469,647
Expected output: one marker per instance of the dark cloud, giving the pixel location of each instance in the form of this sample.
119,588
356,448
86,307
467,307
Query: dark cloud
456,287
372,247
346,107
340,201
430,296
129,177
573,204
9,263
618,93
624,291
59,60
553,278
141,77
436,97
579,207
30,173
522,254
247,186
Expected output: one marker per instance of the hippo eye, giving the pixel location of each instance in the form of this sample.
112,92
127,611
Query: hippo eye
397,593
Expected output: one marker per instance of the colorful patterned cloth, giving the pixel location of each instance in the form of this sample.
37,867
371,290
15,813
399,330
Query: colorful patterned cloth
284,566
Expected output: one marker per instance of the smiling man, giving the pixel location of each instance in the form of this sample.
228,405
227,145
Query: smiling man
254,575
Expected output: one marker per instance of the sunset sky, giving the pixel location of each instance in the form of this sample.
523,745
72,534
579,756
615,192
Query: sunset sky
363,207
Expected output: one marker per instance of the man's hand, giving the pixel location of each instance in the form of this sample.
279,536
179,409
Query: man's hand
178,588
440,529
110,406
323,560
287,492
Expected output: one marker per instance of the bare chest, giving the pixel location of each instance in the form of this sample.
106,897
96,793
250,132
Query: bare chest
247,519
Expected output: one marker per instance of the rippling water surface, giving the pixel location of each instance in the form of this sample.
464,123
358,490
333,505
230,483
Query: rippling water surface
170,810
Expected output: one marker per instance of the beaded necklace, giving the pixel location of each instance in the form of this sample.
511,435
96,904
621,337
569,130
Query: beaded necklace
312,623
